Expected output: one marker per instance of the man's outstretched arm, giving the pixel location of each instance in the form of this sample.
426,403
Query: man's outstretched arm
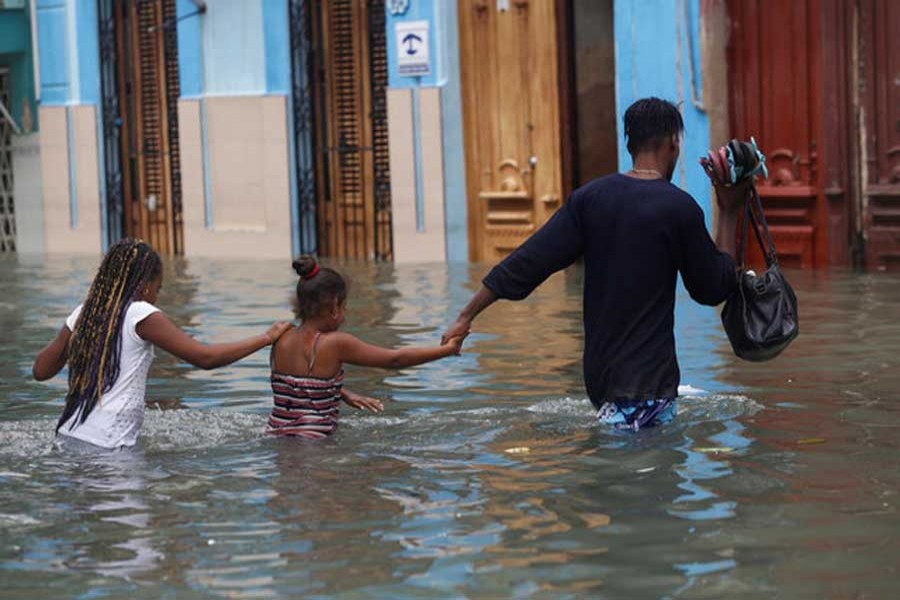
553,247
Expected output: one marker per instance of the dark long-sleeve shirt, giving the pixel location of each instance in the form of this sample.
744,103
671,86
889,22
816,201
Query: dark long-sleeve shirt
635,236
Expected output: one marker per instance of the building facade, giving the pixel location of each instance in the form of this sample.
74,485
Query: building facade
436,130
21,228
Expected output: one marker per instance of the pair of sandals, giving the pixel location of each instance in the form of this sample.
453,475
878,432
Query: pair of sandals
734,162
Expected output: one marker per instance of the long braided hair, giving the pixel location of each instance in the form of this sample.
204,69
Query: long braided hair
95,345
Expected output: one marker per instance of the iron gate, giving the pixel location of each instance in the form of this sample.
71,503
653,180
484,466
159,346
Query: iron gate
112,122
140,88
7,208
339,87
301,88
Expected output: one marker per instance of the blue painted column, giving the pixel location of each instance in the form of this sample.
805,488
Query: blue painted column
444,52
658,54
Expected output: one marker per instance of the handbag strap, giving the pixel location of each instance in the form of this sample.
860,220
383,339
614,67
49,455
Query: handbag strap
752,206
742,242
768,248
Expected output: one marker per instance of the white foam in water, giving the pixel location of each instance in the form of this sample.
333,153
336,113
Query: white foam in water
198,429
693,405
176,430
563,406
27,438
478,412
372,421
717,407
162,430
10,520
689,390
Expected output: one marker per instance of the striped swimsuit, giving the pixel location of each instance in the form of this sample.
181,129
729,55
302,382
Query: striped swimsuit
305,406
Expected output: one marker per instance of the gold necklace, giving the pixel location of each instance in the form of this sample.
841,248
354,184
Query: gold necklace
647,172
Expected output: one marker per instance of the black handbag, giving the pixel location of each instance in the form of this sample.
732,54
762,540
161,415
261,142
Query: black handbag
760,318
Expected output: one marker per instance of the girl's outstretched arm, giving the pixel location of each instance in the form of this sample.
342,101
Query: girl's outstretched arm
356,352
53,357
162,332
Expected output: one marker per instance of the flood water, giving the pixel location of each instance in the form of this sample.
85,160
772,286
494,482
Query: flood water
486,476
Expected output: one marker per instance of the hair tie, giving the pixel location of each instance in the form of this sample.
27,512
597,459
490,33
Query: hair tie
314,272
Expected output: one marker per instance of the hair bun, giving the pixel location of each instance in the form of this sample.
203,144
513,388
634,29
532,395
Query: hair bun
305,266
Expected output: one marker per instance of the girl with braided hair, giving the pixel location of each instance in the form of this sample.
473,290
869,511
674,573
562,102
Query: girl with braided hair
108,343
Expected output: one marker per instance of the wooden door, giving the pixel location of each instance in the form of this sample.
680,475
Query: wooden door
352,164
511,120
776,79
146,77
875,92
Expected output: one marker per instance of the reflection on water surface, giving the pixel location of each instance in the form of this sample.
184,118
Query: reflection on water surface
486,475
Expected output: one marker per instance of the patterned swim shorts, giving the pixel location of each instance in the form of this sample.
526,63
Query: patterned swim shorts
638,415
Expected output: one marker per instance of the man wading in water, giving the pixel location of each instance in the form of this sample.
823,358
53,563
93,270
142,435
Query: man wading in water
636,232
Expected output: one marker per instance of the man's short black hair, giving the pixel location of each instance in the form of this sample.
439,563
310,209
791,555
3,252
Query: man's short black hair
649,121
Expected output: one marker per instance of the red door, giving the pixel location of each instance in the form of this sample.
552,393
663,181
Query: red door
776,96
818,83
876,81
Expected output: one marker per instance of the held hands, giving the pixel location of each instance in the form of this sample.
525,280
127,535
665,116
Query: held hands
277,330
455,343
460,329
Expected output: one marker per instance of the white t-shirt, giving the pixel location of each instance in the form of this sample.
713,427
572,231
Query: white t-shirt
117,417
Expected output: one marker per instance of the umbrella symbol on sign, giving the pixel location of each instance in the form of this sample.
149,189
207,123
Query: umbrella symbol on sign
412,41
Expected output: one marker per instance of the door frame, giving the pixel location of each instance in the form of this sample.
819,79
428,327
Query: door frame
568,128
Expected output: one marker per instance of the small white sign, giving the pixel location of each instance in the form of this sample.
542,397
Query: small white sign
413,59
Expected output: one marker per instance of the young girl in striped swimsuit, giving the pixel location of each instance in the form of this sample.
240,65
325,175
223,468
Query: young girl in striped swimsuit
307,373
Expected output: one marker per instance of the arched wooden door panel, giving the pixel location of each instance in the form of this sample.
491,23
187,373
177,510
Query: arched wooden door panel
511,121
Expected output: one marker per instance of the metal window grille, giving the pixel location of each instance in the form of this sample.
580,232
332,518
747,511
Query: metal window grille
140,89
339,61
7,206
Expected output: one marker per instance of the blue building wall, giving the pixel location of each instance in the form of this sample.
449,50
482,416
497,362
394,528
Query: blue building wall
657,54
444,53
419,10
68,46
88,51
238,47
190,53
277,49
53,48
233,48
15,55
